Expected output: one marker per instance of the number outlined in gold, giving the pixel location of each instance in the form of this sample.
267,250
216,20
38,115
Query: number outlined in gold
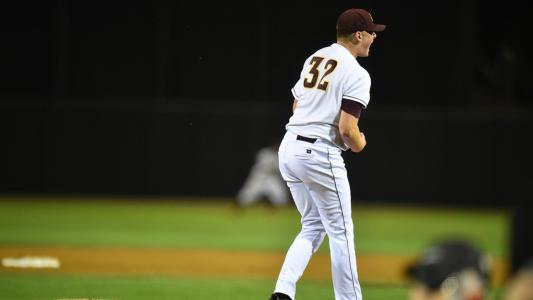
315,63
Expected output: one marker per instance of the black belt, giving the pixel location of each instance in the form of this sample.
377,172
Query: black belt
305,139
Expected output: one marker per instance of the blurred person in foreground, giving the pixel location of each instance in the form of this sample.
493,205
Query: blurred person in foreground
520,286
450,270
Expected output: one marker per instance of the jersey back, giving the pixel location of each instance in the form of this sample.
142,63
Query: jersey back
328,76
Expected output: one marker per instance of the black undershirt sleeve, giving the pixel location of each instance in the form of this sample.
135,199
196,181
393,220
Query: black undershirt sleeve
354,108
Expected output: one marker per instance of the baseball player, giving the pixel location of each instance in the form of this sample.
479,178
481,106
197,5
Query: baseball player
328,99
264,180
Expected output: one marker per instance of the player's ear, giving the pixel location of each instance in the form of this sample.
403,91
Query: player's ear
358,36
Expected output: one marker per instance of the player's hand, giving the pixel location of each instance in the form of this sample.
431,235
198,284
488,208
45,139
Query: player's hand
361,142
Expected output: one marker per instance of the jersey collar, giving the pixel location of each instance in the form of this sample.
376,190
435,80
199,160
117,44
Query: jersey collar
336,45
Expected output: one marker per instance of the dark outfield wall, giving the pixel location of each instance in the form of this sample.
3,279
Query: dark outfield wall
206,149
92,96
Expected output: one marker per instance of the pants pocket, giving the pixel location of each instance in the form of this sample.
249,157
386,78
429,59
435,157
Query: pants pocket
305,153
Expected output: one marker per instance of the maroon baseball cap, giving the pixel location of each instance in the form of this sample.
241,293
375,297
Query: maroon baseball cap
356,19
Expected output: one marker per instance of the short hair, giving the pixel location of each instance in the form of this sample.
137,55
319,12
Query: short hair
347,36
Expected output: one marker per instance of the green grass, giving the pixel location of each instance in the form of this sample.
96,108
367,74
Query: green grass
38,287
195,224
407,230
144,224
166,224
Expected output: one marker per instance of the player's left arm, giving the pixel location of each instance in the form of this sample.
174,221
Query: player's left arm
294,104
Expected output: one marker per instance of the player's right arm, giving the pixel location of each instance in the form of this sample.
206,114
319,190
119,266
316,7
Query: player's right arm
349,131
294,104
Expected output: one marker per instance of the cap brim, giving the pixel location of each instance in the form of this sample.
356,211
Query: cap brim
412,271
419,274
378,27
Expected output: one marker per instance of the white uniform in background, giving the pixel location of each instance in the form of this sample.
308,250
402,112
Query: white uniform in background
264,180
311,163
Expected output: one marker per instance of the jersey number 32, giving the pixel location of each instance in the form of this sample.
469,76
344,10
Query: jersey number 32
314,71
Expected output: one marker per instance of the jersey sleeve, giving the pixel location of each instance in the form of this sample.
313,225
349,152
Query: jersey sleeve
298,89
357,88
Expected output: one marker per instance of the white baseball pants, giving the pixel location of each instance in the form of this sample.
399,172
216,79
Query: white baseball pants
317,178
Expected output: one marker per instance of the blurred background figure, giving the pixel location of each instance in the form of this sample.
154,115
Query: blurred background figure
520,287
451,269
264,180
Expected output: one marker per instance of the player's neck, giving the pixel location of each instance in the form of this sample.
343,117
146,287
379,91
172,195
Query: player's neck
349,46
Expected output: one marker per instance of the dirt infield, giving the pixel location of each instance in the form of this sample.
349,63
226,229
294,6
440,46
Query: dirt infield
207,263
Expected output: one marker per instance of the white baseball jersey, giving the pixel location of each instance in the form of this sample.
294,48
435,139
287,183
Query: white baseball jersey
328,76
